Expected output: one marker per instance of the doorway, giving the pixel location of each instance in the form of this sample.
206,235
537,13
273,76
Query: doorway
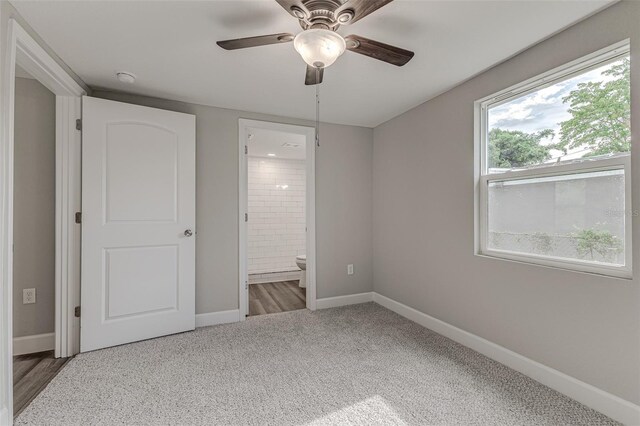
277,220
34,248
23,52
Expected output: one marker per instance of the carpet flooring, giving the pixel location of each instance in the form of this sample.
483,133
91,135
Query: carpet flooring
357,365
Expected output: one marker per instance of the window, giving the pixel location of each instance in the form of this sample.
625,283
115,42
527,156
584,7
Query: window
554,172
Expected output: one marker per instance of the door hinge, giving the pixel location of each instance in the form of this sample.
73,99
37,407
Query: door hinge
79,124
246,150
78,217
76,312
246,217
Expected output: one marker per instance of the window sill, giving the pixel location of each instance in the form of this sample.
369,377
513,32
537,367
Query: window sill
618,273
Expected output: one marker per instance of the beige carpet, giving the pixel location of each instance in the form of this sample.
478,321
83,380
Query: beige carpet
360,365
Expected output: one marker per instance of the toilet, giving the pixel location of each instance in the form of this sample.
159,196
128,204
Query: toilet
301,261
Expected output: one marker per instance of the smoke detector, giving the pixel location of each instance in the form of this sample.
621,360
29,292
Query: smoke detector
126,77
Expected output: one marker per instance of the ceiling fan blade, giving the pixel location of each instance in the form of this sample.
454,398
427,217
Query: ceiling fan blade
311,79
360,8
375,49
296,8
241,43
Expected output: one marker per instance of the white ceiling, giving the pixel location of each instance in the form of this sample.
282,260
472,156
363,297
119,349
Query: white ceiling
263,142
170,46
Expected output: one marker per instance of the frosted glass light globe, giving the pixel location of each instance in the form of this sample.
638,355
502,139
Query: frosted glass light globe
319,48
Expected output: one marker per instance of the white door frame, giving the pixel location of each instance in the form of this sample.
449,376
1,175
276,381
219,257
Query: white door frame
24,51
310,134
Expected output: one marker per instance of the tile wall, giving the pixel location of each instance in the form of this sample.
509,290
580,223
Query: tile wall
276,230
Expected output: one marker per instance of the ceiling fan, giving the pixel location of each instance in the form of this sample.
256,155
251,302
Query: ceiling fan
320,44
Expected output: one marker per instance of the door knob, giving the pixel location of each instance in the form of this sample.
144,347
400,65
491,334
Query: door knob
188,233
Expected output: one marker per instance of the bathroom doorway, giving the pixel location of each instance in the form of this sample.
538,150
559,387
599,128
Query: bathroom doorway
277,223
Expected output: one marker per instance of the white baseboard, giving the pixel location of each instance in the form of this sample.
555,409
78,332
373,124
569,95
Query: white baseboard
215,318
617,408
350,299
4,416
274,277
32,344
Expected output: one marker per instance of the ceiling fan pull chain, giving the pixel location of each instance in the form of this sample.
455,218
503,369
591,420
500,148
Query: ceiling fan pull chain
317,107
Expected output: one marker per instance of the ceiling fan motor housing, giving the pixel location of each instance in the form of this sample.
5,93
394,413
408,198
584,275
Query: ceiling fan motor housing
322,14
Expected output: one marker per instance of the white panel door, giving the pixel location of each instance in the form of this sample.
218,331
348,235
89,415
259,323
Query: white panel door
138,223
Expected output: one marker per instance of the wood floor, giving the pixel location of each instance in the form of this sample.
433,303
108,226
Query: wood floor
271,298
31,374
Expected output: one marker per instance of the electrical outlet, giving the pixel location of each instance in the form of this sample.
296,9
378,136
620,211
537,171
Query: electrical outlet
350,269
28,296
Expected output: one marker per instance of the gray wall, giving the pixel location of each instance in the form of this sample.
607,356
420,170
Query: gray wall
584,325
34,207
343,203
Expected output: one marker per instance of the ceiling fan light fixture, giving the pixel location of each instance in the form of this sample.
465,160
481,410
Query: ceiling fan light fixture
319,47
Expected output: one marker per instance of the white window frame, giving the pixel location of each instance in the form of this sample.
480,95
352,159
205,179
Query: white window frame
483,178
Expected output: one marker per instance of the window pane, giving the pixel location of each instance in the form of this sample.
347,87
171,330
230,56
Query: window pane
579,216
587,115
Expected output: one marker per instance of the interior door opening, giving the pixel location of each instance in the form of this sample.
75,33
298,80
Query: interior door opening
277,237
34,243
26,57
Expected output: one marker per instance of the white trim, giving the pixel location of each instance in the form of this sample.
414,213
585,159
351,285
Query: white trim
310,208
243,190
4,417
274,277
243,134
68,233
32,344
349,299
615,407
215,318
584,166
23,50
